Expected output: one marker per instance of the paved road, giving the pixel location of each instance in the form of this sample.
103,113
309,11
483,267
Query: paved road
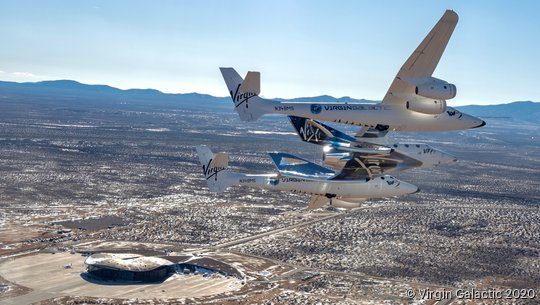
29,298
276,231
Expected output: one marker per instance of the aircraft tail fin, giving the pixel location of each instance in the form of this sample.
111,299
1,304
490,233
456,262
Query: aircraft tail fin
245,93
214,166
233,80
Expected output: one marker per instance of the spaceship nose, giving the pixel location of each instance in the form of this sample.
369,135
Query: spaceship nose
417,190
408,188
447,158
483,124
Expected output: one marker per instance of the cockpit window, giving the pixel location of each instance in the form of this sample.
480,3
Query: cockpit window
390,181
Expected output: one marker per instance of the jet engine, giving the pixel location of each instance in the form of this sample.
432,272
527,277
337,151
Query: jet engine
431,93
432,88
427,106
437,90
336,158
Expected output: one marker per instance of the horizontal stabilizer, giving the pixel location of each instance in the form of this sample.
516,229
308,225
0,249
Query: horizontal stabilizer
293,166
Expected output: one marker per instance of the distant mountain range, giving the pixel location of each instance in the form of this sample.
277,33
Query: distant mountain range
103,94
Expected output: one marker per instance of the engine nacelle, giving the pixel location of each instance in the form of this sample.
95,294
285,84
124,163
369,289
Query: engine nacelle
432,88
427,106
437,90
336,158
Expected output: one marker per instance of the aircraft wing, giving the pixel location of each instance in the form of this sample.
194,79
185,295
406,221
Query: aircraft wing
367,165
373,135
423,60
354,170
296,167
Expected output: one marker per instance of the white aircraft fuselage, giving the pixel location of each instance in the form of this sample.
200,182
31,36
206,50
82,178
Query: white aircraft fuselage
392,117
378,187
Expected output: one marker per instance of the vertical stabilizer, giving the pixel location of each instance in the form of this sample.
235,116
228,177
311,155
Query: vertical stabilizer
245,93
214,167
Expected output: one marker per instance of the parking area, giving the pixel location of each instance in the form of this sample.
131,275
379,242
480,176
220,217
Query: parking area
50,275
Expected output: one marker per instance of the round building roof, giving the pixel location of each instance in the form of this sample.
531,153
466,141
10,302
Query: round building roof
127,262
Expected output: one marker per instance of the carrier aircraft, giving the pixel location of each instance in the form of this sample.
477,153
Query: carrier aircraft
415,101
301,176
369,153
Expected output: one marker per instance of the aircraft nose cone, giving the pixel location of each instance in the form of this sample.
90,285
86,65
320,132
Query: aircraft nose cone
417,190
483,124
408,188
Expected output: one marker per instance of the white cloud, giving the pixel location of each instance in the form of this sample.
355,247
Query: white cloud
25,74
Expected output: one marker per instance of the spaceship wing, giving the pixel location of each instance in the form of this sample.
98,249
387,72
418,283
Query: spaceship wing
292,166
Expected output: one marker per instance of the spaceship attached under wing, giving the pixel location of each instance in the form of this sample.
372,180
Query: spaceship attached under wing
370,153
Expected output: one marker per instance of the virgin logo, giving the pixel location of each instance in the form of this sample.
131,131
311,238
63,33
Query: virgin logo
240,98
310,133
210,171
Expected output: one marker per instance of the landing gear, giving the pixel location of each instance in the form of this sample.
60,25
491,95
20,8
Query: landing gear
330,196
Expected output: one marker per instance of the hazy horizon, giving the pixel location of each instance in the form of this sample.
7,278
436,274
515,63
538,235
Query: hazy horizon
273,97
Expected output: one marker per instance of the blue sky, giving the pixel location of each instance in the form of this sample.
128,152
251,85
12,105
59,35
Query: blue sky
302,48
